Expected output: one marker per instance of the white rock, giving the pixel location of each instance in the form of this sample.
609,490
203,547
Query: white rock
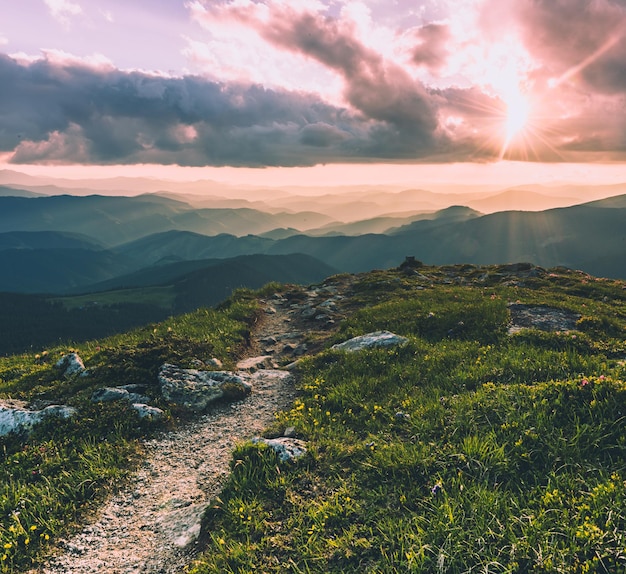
71,364
286,448
18,419
109,394
184,525
195,389
146,411
370,341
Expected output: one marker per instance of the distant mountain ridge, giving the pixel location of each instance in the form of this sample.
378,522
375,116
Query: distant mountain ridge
571,236
53,244
115,220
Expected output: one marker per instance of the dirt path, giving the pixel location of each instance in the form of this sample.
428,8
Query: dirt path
147,527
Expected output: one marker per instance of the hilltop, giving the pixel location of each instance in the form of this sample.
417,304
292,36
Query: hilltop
491,437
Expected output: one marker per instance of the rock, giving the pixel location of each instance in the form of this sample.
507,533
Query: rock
195,389
290,432
139,389
109,394
289,348
147,412
184,525
71,365
541,317
137,398
370,341
300,350
308,312
214,362
270,310
287,449
329,304
255,362
20,419
293,366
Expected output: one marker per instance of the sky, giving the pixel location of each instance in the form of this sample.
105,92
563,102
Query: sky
315,88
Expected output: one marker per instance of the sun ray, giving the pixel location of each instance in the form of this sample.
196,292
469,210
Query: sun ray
611,41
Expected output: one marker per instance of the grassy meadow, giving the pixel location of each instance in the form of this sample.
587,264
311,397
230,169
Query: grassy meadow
466,450
48,480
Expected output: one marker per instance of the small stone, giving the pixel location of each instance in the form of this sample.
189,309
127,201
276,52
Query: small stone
300,350
370,341
290,432
109,394
287,449
147,412
70,364
254,362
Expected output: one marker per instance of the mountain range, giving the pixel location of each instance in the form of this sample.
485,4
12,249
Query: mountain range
80,243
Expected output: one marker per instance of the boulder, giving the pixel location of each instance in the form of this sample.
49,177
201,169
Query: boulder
287,448
370,341
71,364
20,419
541,317
195,389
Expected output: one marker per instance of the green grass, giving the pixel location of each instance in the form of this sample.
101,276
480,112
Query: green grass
467,450
48,480
163,297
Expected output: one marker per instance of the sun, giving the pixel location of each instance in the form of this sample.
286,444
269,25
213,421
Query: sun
516,118
517,115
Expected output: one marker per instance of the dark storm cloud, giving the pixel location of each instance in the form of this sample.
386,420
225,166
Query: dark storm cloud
72,112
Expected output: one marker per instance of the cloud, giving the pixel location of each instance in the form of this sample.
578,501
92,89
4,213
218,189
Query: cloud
59,108
3,40
378,88
62,10
70,111
431,50
570,40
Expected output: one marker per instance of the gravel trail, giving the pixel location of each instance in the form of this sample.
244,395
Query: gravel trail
150,524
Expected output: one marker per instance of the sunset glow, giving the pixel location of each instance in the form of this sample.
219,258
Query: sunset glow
275,84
